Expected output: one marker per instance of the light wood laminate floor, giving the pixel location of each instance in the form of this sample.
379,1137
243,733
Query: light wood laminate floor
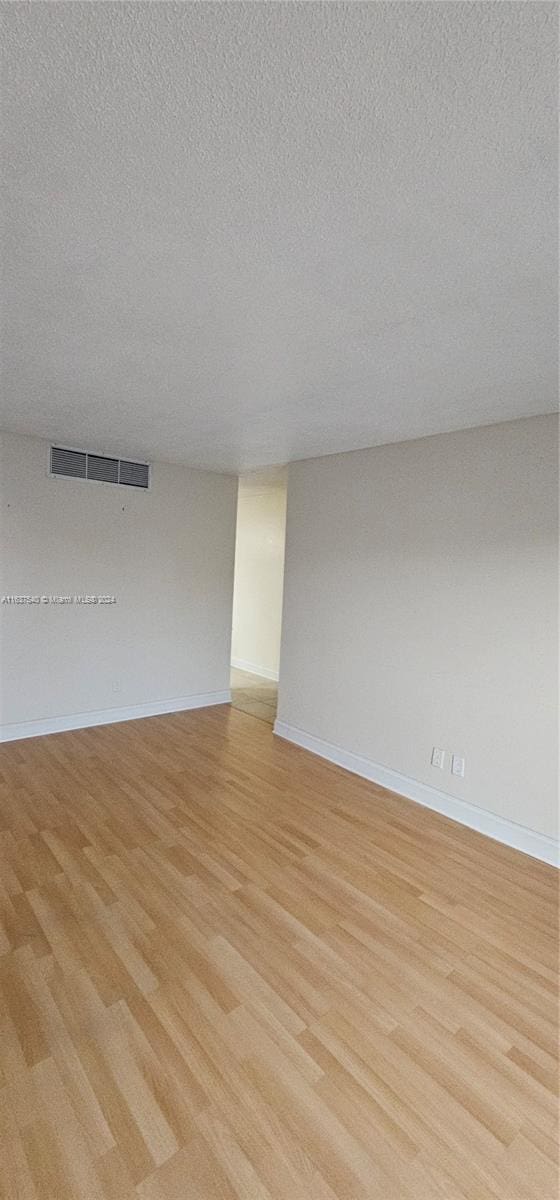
231,970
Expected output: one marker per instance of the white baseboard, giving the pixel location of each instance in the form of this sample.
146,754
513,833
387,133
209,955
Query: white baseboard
517,836
254,669
109,716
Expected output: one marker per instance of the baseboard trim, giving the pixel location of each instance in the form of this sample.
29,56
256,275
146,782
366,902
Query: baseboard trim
253,669
528,841
111,716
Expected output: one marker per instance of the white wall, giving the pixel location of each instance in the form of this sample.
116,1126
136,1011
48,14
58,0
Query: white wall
259,573
167,555
420,610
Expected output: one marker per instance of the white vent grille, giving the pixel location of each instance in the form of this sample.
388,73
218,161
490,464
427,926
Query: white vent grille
104,469
134,474
68,462
78,464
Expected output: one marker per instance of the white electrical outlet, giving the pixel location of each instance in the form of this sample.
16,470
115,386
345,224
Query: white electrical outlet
438,758
116,685
458,766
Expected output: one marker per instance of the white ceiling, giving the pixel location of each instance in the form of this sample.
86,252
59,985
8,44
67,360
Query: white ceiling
240,234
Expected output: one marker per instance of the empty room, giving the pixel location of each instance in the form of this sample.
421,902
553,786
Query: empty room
279,600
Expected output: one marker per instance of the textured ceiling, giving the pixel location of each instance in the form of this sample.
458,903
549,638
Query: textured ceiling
239,234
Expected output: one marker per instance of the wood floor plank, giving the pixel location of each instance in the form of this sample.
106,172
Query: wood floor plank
231,971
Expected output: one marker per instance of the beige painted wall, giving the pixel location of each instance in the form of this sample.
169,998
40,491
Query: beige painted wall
420,610
167,555
259,573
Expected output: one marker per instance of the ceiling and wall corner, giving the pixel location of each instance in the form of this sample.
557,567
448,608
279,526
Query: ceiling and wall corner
238,234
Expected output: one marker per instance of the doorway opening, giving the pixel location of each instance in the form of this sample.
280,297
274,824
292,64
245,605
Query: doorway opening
257,592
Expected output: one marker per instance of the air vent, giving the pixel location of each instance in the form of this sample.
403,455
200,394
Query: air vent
68,462
78,464
104,469
134,474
